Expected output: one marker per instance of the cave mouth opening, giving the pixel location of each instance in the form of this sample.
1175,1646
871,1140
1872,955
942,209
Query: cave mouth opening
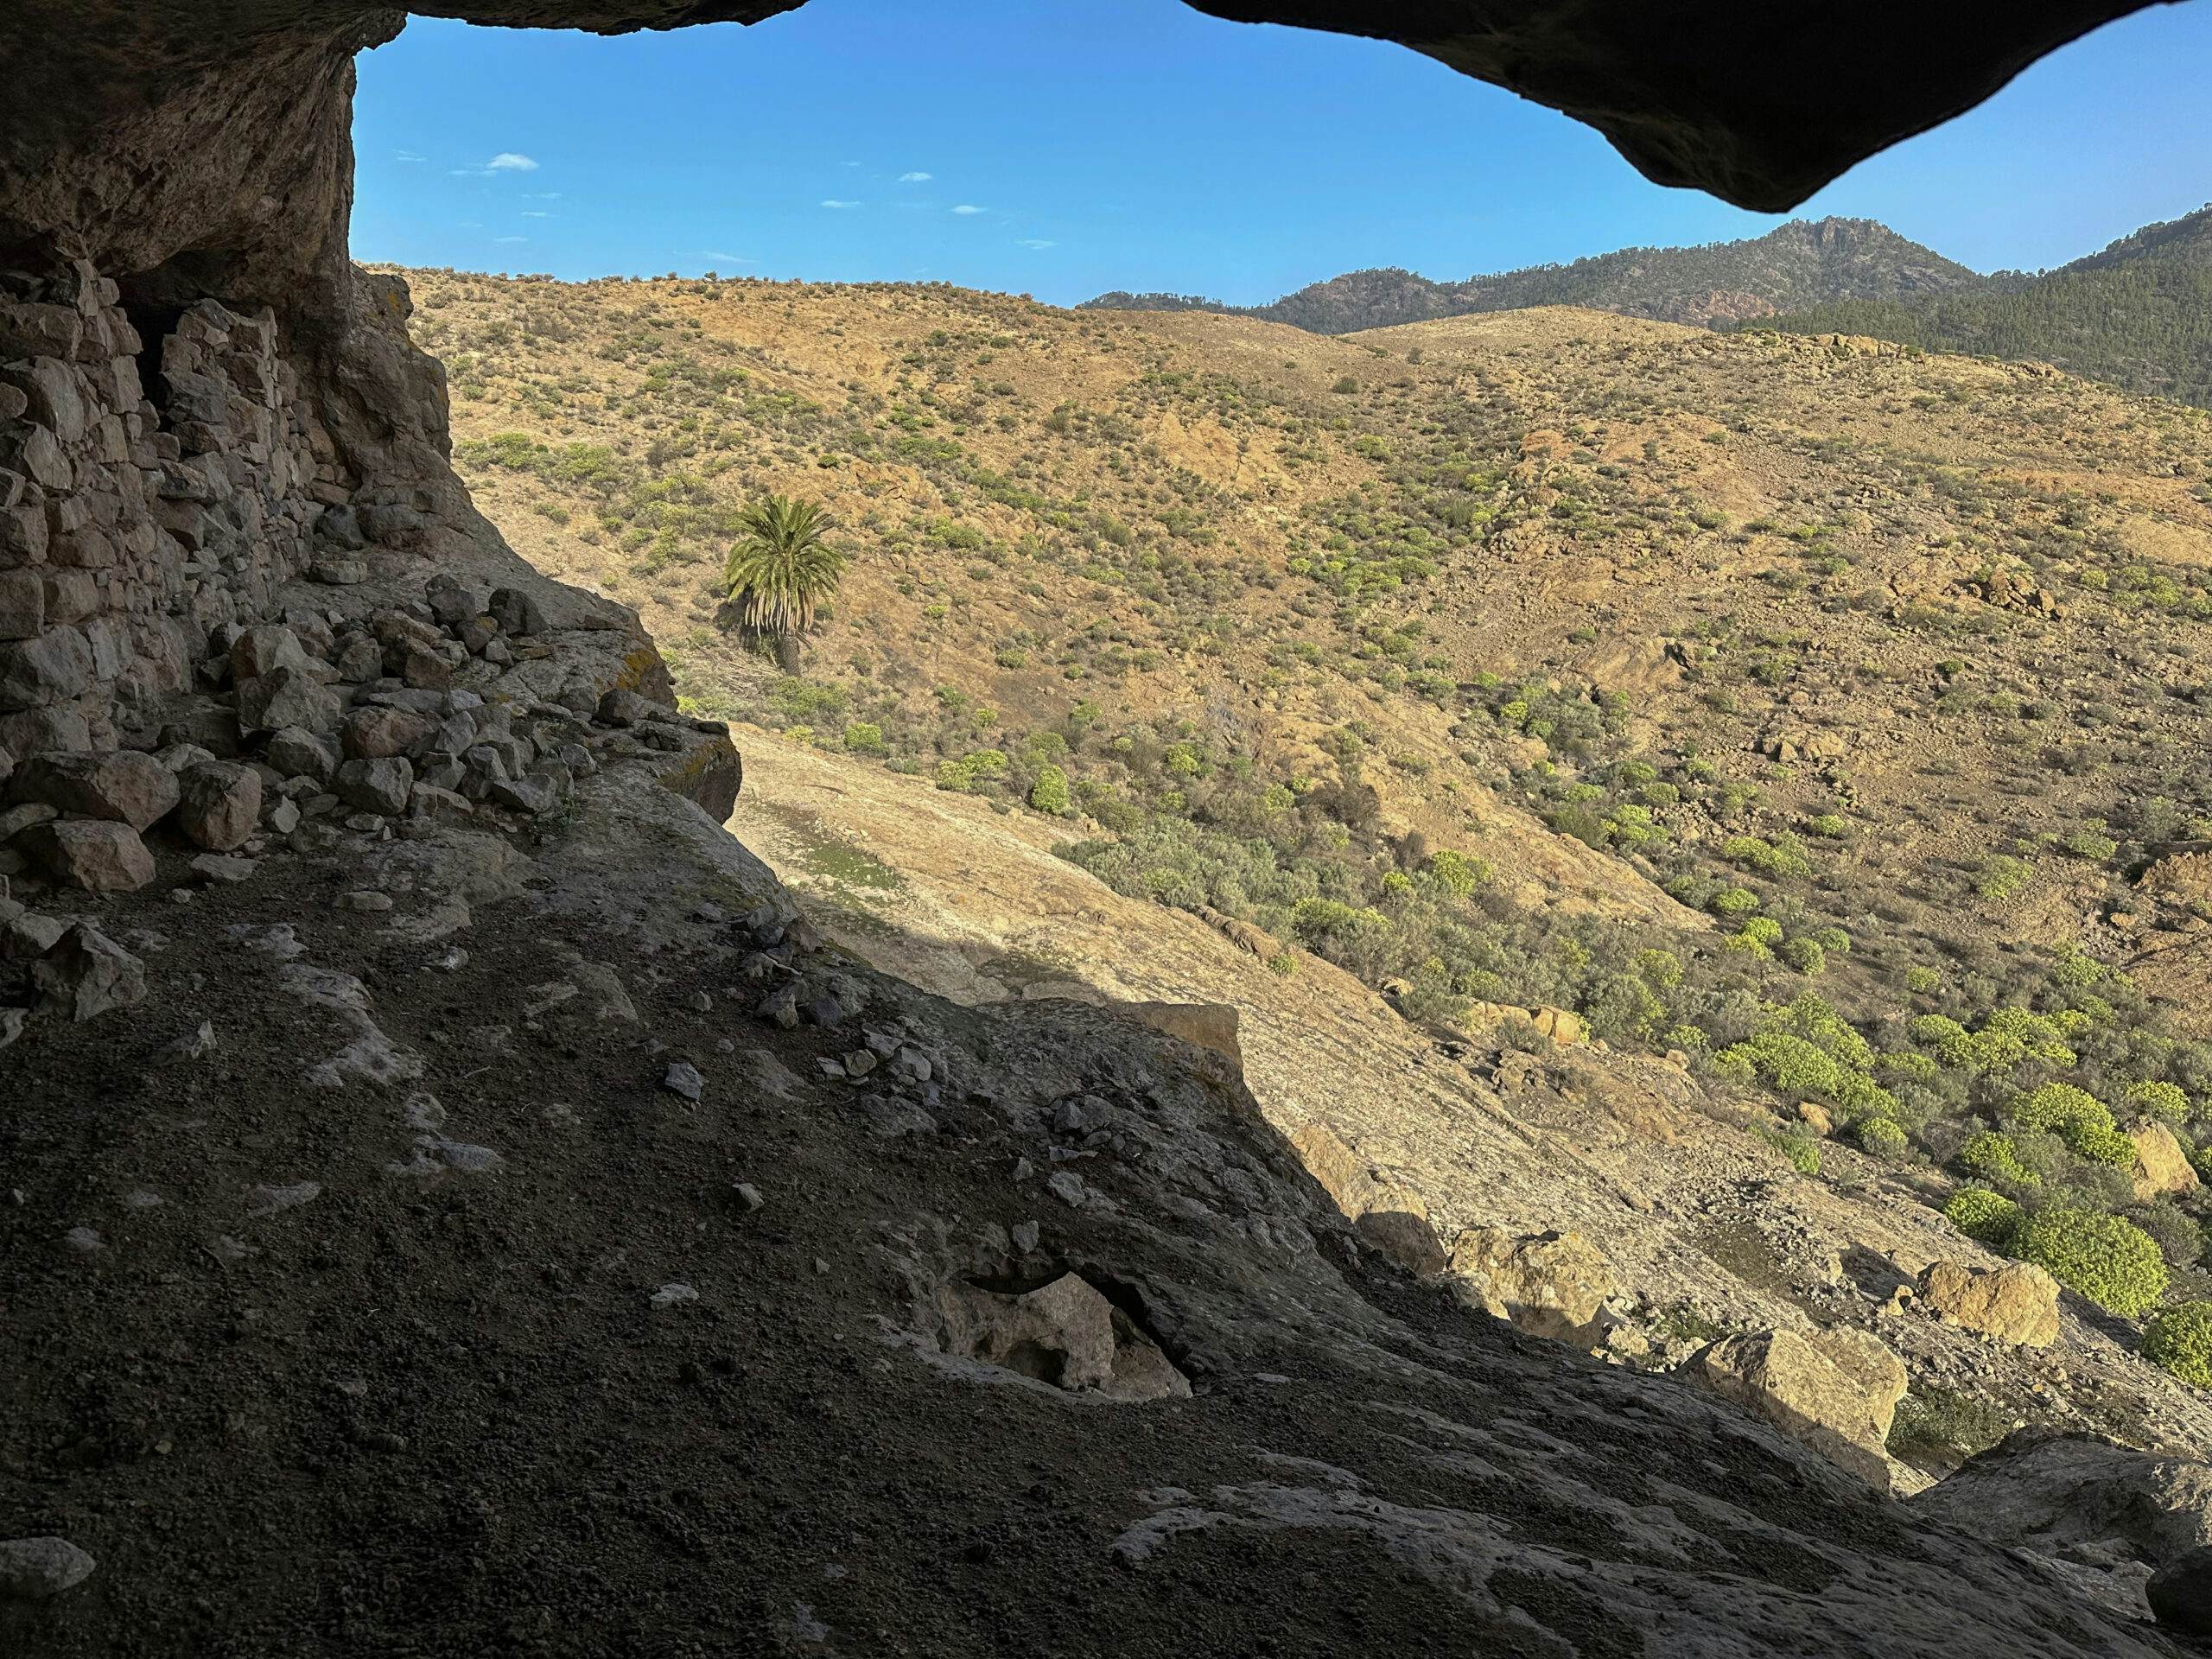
155,300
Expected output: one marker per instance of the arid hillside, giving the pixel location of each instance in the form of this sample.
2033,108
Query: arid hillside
1828,715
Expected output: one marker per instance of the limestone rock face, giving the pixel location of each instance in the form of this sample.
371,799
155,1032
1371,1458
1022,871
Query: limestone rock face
2162,1166
1549,1284
1835,1390
2016,1303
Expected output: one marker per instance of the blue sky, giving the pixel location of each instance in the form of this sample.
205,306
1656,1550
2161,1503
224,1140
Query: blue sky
1059,150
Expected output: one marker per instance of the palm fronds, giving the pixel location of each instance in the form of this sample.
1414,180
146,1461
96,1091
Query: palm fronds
782,566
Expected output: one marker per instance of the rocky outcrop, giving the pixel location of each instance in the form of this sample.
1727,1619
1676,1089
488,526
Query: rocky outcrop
2016,1303
1064,1333
1551,1285
2107,1517
1835,1390
2162,1167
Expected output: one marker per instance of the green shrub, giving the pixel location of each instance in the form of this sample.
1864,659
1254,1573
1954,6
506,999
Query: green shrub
2112,1262
1880,1137
864,737
1050,793
1992,1157
2078,1118
2180,1339
1923,981
1986,1217
1459,874
2166,1102
1806,956
1800,1150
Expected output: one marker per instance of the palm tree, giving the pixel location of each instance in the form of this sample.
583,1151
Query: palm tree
782,566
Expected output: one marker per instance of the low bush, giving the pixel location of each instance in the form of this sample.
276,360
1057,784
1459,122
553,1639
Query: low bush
2180,1340
2112,1262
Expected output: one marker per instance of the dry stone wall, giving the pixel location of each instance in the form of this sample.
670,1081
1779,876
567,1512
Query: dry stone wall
152,490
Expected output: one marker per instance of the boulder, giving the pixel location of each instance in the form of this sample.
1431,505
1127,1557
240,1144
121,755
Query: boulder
1388,1217
1836,1390
263,650
2180,1594
1066,1333
287,697
1551,1285
2162,1166
98,855
87,973
378,734
125,787
2016,1303
1562,1026
298,753
221,804
34,1569
516,612
380,785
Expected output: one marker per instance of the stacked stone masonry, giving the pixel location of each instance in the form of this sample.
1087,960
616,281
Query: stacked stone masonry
137,519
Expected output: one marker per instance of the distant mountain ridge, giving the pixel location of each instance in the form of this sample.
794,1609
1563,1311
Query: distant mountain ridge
2137,313
1804,263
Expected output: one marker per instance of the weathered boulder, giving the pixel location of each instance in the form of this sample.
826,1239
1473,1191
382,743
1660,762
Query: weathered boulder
286,697
265,648
2180,1592
221,804
1066,1333
1551,1285
34,1569
87,973
98,855
1390,1217
2162,1166
2016,1303
1835,1390
375,733
375,786
127,787
298,753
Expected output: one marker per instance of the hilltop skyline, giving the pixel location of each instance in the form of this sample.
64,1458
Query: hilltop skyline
995,147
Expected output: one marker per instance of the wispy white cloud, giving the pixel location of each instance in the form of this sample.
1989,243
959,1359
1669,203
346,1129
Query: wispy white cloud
1038,243
506,161
916,178
541,196
831,201
528,212
511,238
967,208
728,258
471,225
406,156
